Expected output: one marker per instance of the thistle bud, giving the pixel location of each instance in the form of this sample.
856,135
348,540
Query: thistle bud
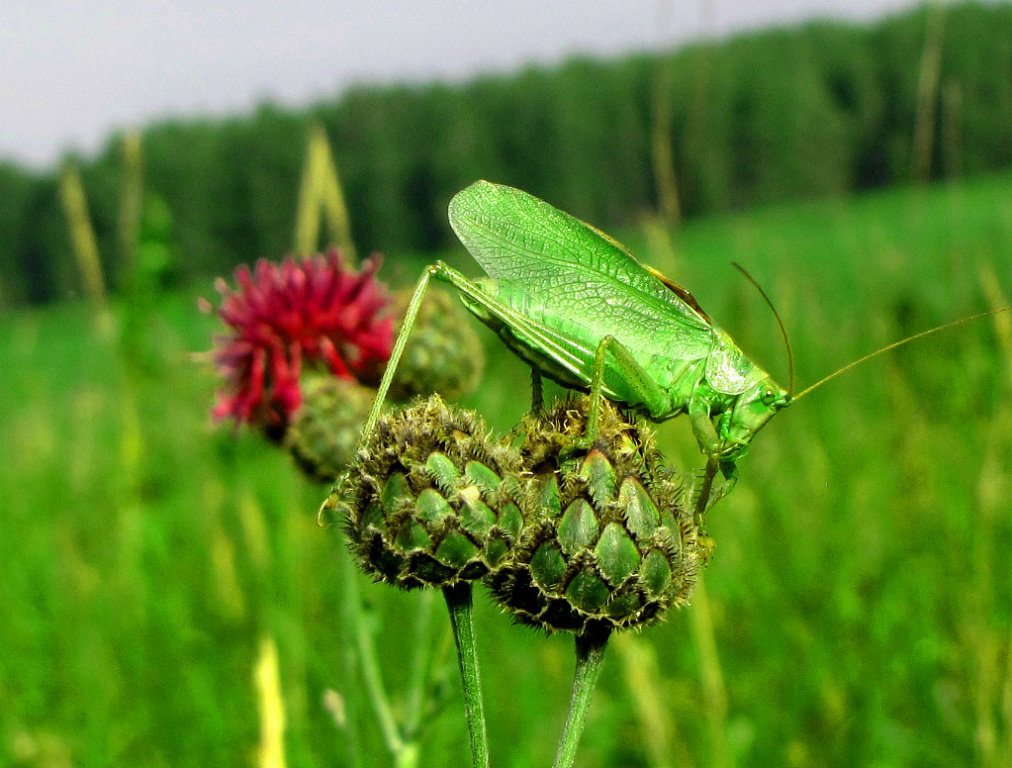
609,539
443,353
325,429
431,499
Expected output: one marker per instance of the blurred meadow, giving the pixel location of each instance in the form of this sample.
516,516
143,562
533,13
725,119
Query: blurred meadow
857,608
167,597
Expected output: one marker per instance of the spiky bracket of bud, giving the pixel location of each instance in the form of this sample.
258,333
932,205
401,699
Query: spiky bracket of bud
431,499
609,539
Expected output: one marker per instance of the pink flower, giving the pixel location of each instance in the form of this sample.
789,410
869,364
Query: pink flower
314,311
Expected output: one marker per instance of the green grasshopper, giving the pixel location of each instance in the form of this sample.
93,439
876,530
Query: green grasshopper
580,309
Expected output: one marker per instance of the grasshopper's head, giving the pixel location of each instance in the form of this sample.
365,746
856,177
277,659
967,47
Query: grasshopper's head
750,412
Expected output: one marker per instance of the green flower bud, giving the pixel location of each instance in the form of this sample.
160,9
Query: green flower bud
431,500
609,538
325,429
443,354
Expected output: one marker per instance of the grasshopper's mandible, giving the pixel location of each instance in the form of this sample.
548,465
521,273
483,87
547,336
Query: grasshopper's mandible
580,309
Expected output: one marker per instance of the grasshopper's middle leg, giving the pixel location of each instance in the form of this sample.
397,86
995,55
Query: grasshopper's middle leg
647,392
537,391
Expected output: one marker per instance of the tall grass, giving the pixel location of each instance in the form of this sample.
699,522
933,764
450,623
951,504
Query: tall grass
859,594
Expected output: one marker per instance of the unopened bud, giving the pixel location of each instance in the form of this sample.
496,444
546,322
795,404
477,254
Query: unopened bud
432,499
609,538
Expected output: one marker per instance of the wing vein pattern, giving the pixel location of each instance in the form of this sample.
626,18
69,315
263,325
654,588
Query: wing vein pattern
562,273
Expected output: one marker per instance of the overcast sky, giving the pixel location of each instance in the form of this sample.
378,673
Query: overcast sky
72,71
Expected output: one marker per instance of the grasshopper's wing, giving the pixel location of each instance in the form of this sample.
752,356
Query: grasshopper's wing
551,265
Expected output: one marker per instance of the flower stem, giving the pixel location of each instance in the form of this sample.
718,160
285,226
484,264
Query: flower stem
351,614
458,602
590,647
408,756
420,666
370,664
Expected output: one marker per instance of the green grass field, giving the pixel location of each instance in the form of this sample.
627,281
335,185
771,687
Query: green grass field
857,611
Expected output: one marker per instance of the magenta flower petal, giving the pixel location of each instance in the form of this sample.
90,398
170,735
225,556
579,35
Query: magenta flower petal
315,312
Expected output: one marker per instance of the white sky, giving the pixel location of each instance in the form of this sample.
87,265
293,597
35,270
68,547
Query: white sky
73,71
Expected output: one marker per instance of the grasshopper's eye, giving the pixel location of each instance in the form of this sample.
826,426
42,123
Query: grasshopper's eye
768,397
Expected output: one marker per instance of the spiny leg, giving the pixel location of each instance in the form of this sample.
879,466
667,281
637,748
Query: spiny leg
643,392
709,445
730,472
707,495
597,390
395,354
441,272
537,392
388,376
705,490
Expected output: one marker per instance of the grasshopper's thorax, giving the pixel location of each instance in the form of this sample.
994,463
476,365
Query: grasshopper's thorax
728,369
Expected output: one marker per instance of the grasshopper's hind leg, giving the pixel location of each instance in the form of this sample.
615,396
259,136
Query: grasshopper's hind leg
472,293
408,323
326,511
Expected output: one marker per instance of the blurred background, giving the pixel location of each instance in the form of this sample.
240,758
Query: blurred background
856,158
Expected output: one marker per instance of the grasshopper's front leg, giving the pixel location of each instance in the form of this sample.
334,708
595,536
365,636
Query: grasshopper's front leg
709,444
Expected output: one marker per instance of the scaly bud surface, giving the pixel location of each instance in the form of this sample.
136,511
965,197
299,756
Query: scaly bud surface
609,538
325,430
431,499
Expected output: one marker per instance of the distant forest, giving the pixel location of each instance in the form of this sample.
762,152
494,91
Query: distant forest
816,110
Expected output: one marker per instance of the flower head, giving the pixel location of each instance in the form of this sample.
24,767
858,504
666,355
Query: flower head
609,538
313,311
432,498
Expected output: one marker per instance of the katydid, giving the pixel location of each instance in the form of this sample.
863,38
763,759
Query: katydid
580,309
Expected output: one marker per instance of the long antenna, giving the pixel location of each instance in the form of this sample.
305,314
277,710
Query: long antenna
783,331
899,343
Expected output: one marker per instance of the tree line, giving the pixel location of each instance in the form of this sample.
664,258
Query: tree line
820,109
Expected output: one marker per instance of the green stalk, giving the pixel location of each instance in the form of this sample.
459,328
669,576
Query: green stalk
458,602
419,666
408,756
351,613
370,664
402,740
590,647
410,753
